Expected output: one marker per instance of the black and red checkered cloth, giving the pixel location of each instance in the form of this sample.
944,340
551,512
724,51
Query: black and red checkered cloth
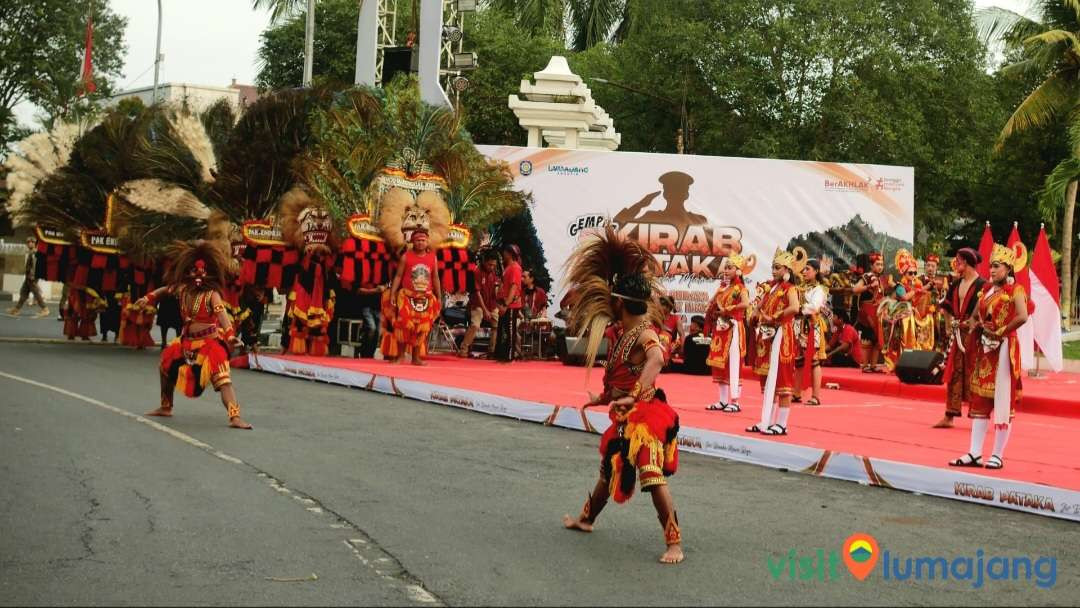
364,263
266,265
457,269
82,267
53,262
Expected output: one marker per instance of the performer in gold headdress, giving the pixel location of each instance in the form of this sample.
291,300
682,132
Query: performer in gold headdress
774,362
724,319
614,285
995,379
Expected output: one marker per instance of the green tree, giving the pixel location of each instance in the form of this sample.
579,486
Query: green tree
41,50
281,50
1049,49
507,54
280,9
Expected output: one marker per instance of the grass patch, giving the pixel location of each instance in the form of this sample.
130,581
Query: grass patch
1071,350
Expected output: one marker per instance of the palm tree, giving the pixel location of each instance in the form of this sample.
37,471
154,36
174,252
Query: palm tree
587,22
1049,48
280,9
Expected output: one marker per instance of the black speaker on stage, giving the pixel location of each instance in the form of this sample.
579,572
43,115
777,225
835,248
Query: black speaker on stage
396,60
920,367
571,350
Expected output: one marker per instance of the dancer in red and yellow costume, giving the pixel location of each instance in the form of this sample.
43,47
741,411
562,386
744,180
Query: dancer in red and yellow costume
870,291
812,329
995,379
938,286
135,323
84,304
724,319
961,302
200,356
416,296
774,362
897,312
613,279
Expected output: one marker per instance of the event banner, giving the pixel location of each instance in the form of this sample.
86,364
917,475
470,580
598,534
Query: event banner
691,211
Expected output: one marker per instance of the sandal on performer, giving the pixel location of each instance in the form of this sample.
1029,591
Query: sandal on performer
754,429
775,429
796,398
718,406
813,401
994,462
732,408
967,460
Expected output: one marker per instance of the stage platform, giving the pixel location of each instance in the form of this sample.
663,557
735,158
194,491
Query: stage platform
857,434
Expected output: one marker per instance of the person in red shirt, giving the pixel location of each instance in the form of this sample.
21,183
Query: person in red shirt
536,299
845,346
510,304
482,303
416,294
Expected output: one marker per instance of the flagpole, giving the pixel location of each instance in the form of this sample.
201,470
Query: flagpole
157,54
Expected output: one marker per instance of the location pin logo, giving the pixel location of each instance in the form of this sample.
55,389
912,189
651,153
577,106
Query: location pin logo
860,555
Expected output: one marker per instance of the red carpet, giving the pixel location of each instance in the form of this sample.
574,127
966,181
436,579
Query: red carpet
1054,394
1042,449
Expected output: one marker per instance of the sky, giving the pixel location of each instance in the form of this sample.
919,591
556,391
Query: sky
213,41
204,42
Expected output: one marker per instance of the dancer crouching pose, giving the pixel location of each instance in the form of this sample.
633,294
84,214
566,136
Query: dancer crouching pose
724,317
775,357
613,280
995,377
200,356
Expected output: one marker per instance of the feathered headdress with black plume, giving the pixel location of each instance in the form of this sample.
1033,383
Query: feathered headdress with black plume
604,267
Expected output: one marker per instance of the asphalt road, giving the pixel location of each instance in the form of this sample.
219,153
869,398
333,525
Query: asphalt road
390,501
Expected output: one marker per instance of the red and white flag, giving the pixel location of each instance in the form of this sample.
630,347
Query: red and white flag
986,247
1045,293
1026,333
88,85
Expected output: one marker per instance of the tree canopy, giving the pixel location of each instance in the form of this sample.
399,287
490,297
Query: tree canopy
41,50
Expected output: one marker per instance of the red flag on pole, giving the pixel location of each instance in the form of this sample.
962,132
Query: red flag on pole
88,85
1045,289
1025,334
986,247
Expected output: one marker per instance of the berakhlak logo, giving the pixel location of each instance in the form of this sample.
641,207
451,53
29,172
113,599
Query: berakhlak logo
860,555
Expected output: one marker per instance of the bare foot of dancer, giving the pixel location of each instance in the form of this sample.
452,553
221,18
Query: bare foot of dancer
944,423
673,555
237,422
420,362
575,523
163,411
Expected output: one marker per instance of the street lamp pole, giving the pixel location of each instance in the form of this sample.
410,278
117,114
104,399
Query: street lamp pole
157,54
309,42
683,132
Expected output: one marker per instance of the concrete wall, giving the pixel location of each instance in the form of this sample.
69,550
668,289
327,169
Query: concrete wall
198,97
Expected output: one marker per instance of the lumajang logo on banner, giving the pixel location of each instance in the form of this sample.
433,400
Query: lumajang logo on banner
525,167
567,170
684,243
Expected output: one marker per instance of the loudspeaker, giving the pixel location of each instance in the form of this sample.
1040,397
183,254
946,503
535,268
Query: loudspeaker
571,350
396,60
920,367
